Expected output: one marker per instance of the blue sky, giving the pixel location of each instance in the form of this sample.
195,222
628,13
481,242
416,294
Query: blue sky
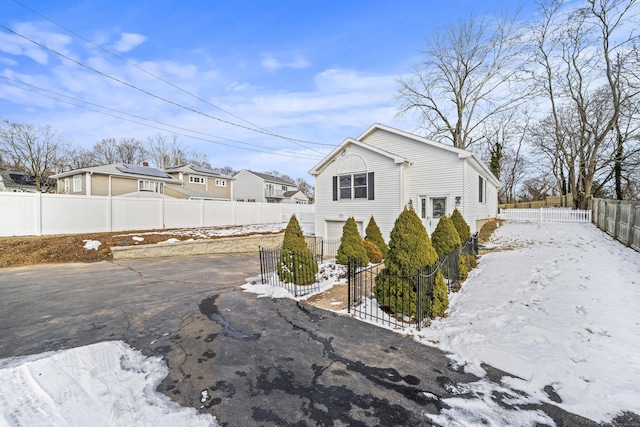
312,71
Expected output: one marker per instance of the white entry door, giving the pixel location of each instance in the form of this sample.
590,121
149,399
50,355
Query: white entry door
431,209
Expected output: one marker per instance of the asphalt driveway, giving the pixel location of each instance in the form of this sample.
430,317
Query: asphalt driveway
246,360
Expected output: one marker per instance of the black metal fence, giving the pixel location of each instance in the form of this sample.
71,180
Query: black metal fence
402,300
324,249
290,270
285,270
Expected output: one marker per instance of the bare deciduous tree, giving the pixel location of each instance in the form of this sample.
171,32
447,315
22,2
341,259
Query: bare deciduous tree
105,151
33,149
582,54
163,153
466,79
131,151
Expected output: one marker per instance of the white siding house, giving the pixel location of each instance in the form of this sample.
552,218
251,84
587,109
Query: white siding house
384,169
252,186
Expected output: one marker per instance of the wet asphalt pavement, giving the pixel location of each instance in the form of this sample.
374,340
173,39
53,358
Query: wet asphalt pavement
249,361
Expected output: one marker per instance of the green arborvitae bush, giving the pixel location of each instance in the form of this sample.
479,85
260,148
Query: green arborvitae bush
461,226
373,252
410,249
445,237
463,271
373,234
296,264
351,245
446,240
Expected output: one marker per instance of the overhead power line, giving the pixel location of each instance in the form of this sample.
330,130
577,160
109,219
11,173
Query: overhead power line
281,153
257,127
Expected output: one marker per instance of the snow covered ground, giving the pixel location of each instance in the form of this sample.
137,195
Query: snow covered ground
104,384
555,304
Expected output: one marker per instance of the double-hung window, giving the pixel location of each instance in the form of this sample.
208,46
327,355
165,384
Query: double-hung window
156,187
353,186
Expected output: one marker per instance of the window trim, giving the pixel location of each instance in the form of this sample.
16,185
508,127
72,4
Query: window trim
355,190
152,186
197,179
221,182
77,183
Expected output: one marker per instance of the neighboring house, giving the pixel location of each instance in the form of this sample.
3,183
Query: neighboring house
385,169
17,182
115,180
252,186
199,183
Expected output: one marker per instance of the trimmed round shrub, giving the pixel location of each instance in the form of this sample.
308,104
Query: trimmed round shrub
461,226
351,245
373,252
410,250
373,234
296,264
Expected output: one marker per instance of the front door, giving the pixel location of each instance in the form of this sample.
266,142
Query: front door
431,209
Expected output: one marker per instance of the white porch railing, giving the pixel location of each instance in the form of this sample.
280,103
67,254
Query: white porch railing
545,214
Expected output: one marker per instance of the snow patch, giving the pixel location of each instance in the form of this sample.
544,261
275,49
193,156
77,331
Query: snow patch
108,381
92,244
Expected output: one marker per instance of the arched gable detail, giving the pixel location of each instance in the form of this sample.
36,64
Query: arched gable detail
352,163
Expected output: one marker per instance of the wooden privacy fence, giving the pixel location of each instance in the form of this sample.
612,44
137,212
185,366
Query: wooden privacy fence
618,218
546,215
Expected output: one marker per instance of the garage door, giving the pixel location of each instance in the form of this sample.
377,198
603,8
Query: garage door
334,229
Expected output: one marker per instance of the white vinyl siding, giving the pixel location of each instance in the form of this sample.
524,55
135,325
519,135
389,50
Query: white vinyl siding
248,186
385,205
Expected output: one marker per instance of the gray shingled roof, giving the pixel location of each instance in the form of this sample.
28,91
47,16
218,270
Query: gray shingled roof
190,168
272,178
197,194
124,171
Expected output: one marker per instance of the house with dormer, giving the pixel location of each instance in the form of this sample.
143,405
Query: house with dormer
199,182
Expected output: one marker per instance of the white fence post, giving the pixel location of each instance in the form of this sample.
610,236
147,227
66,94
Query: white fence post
38,213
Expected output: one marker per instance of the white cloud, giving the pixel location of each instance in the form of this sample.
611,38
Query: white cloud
129,41
272,64
17,46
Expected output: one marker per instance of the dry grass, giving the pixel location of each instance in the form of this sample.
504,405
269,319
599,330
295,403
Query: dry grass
30,250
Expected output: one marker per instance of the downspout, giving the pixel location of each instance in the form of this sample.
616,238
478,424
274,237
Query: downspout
89,189
402,202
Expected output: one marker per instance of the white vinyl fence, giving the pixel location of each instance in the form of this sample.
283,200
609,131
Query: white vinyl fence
545,214
37,214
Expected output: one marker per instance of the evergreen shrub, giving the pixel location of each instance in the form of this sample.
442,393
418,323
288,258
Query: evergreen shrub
351,245
373,252
296,264
373,234
410,249
461,226
445,237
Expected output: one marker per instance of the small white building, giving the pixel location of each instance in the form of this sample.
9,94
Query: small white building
385,169
249,186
